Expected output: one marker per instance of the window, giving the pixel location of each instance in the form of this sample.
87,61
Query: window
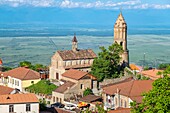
28,107
121,103
53,99
116,101
12,81
11,108
81,86
32,82
56,99
125,104
121,43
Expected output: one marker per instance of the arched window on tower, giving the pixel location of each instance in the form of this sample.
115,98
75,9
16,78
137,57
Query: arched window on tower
121,43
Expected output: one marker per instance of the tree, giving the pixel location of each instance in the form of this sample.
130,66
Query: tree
156,100
87,91
107,64
25,64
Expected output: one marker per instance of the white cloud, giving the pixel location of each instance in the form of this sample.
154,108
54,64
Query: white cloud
109,4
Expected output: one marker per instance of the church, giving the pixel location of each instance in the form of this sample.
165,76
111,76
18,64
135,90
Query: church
71,59
83,59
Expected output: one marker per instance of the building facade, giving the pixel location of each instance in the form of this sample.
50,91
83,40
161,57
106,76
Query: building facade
120,37
71,59
20,78
19,103
123,93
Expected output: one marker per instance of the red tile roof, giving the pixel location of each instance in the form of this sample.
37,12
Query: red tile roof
18,98
122,110
22,73
132,89
90,98
152,74
79,54
1,62
59,110
76,74
64,87
5,90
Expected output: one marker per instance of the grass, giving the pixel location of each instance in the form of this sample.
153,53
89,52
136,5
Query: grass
43,86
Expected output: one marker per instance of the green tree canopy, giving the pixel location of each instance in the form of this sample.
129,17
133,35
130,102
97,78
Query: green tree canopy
156,100
25,64
106,65
87,91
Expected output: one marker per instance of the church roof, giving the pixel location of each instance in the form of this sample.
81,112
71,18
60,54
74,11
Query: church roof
79,54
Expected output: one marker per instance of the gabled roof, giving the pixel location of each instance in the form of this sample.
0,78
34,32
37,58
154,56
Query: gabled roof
76,74
90,98
18,98
152,74
64,87
132,89
5,90
79,54
22,73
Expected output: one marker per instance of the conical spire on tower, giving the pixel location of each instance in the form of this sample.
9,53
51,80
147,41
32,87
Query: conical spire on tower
74,43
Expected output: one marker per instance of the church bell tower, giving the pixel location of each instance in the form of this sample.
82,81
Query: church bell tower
74,43
120,36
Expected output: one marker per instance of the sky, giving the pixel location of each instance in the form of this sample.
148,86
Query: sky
84,11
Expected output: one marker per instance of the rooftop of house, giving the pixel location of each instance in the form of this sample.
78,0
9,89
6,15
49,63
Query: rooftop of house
90,98
135,67
5,90
22,73
132,89
76,74
152,74
79,54
64,87
120,110
18,98
1,62
59,110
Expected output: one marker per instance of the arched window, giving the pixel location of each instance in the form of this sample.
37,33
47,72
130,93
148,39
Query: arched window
121,43
121,103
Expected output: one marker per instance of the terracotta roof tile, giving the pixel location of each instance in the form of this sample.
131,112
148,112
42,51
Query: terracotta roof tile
90,98
132,89
5,90
18,98
79,54
64,87
22,73
59,110
152,74
1,62
122,110
74,74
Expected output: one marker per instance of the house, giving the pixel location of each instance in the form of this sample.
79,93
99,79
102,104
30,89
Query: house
71,59
75,83
20,78
152,74
19,103
121,94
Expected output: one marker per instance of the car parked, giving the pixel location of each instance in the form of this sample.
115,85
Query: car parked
58,105
70,107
